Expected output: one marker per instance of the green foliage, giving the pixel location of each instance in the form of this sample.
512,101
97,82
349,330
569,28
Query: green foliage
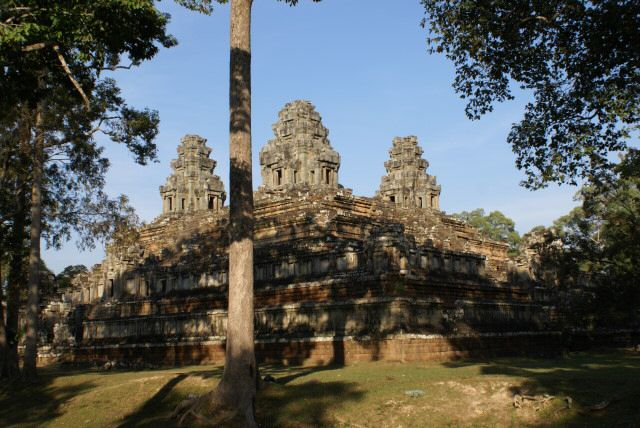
495,226
90,36
206,6
202,6
47,281
613,210
64,278
55,57
594,251
579,58
55,100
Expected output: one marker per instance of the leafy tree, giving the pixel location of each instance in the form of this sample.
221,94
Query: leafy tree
592,255
64,278
53,58
564,254
581,60
612,211
495,225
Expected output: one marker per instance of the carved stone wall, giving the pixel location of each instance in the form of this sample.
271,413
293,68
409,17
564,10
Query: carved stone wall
300,154
328,264
407,183
192,186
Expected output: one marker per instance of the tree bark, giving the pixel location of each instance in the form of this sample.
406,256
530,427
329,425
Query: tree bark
15,283
235,395
238,384
16,279
32,312
3,331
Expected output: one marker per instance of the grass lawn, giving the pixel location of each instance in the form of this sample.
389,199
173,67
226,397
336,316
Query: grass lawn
604,390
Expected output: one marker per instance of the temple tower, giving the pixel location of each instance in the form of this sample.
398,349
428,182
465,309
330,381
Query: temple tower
192,186
300,154
407,183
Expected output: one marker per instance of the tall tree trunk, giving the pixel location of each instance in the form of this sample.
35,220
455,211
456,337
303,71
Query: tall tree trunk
31,345
236,393
3,331
238,384
15,282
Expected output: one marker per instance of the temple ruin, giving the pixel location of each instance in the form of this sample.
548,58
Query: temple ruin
192,186
300,154
407,183
338,277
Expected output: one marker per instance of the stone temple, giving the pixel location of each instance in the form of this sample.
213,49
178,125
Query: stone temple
407,182
192,186
300,155
338,277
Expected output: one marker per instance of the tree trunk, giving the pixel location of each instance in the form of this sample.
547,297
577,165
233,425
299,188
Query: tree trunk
238,384
32,312
15,283
235,395
3,331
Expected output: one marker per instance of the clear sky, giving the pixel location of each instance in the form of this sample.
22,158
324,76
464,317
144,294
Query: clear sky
364,65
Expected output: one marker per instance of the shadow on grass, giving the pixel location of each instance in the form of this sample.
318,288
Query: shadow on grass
156,411
592,380
291,401
308,404
35,404
285,374
153,412
286,403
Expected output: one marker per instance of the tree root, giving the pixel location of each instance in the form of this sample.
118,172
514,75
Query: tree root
520,399
205,410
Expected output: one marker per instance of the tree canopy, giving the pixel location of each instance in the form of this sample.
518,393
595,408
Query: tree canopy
55,57
593,253
206,6
56,98
581,61
494,225
64,278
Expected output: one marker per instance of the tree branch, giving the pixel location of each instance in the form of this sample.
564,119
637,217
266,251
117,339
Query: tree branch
74,81
61,160
34,47
100,122
550,21
19,8
120,67
536,18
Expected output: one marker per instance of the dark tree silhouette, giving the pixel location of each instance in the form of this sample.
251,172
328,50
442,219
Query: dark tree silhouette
581,60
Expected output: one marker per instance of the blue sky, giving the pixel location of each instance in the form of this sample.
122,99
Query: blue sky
364,65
